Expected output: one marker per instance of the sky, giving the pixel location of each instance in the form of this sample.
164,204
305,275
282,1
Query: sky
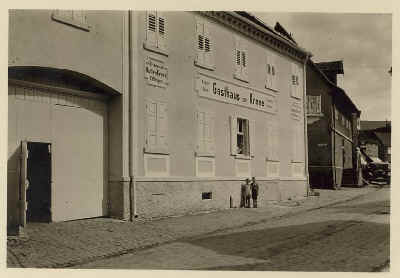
362,41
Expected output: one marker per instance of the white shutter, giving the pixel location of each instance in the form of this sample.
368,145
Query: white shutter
151,28
233,126
208,46
274,77
294,142
244,61
300,143
238,58
162,127
199,42
252,134
200,132
151,126
162,30
209,133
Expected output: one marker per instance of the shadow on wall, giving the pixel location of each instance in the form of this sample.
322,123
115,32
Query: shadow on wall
320,246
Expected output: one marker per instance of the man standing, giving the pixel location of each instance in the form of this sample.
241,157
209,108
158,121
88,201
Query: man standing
245,194
254,191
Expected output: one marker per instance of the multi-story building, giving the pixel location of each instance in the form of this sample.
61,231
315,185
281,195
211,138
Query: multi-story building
375,139
149,114
332,128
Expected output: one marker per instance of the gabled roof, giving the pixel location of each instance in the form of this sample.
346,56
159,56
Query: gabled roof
339,92
371,125
335,66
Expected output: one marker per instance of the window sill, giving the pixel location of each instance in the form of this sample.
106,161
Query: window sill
71,22
243,157
274,90
204,154
156,151
204,66
241,78
298,98
155,49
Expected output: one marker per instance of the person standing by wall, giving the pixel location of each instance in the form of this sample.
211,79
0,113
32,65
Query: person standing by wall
254,191
245,194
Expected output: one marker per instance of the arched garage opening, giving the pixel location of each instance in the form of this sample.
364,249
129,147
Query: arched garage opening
58,145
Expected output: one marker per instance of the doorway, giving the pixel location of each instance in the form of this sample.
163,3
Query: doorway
38,194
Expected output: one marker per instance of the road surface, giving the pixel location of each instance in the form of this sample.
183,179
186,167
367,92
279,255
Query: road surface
352,236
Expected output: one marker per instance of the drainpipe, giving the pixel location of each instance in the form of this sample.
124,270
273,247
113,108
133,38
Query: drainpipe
334,139
132,140
308,56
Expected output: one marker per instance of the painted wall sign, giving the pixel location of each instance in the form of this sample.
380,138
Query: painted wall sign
296,111
221,90
155,72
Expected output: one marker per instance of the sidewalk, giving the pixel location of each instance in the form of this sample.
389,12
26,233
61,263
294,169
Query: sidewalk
71,243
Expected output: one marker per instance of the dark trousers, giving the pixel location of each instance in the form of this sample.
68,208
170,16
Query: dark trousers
254,202
247,202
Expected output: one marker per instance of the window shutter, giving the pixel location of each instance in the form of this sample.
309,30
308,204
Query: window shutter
199,42
273,79
151,125
208,46
300,143
200,131
244,61
233,123
162,126
151,32
209,133
252,134
162,30
238,58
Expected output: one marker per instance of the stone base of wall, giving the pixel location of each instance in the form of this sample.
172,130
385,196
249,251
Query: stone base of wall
169,198
119,200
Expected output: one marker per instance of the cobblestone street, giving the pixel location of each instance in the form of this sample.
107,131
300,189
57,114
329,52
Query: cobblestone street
352,236
75,243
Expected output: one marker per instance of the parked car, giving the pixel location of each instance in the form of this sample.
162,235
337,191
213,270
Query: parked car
377,171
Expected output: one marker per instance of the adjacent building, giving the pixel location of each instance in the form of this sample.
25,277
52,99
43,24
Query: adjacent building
332,126
150,114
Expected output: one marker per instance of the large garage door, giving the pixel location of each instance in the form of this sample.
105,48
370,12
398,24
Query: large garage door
76,128
79,152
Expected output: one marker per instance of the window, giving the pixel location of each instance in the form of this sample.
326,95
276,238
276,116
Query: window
343,120
271,75
205,133
156,32
75,18
314,104
241,60
336,114
242,137
295,82
204,45
272,140
156,127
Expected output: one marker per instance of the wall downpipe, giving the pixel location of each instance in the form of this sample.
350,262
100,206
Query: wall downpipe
308,56
132,141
